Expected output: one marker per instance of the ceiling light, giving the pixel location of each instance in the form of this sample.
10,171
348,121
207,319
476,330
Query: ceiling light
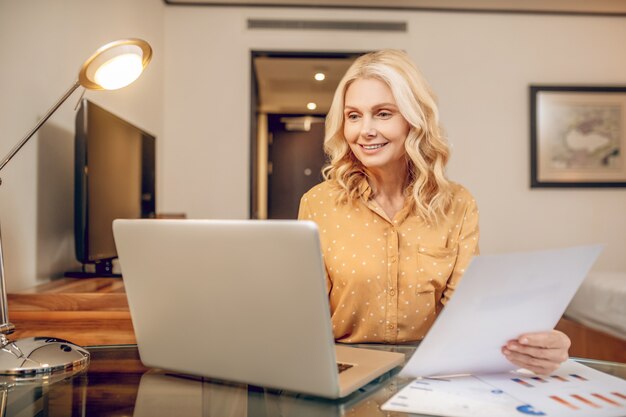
320,76
311,106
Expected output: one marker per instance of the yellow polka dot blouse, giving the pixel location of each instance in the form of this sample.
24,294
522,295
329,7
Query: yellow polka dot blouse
389,278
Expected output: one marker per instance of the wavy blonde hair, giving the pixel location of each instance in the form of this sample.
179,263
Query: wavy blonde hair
427,151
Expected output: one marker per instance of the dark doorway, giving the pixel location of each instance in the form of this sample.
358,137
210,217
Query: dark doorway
296,158
288,105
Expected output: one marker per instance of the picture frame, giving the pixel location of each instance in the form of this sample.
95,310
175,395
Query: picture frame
577,136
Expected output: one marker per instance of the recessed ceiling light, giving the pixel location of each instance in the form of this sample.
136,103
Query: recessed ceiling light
320,76
311,106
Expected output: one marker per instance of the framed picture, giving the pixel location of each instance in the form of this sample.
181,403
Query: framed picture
578,136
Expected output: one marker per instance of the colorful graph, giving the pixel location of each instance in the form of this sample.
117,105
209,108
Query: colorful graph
527,383
563,402
536,378
522,382
608,400
585,400
574,391
530,410
574,400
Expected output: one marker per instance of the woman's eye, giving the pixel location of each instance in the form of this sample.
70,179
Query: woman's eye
352,116
384,114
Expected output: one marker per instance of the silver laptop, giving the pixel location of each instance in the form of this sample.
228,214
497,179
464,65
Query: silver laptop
244,301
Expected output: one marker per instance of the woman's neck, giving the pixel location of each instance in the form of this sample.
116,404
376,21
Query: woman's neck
388,189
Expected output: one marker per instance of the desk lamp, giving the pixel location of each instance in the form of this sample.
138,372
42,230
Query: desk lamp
113,66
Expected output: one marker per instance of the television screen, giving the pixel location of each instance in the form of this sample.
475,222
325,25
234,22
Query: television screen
114,178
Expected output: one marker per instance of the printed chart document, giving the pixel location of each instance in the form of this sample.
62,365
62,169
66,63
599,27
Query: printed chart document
573,390
499,298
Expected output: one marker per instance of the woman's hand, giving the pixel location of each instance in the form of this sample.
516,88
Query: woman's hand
541,352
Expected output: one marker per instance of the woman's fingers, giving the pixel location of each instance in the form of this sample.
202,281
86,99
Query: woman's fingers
557,355
541,352
537,365
553,340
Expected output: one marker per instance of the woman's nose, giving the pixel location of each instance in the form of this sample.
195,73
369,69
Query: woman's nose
367,129
371,133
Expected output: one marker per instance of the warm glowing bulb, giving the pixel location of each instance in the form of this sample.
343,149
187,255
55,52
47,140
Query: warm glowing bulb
119,71
320,76
311,106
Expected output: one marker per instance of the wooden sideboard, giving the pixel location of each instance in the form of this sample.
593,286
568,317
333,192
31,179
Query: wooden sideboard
85,311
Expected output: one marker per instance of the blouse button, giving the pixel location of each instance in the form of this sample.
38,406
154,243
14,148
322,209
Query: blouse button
391,326
392,292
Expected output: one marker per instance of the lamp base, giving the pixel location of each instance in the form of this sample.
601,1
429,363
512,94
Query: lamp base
33,357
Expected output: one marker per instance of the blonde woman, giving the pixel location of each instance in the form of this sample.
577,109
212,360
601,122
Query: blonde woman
396,234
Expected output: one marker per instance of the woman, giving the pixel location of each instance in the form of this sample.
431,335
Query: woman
396,234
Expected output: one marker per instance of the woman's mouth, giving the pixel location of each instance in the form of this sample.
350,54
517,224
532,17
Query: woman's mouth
373,147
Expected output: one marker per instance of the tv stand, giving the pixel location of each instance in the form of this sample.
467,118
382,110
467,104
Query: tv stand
103,269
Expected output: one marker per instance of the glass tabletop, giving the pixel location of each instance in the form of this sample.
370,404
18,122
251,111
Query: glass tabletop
117,384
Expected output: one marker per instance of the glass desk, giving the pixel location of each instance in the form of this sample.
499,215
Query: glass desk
116,384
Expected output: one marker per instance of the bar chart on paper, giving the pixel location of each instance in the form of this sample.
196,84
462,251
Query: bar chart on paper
574,390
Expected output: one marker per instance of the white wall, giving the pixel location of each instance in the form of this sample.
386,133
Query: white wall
42,45
479,64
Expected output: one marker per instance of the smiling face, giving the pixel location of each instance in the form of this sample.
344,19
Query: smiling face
373,126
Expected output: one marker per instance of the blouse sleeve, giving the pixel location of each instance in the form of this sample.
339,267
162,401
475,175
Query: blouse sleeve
466,249
304,213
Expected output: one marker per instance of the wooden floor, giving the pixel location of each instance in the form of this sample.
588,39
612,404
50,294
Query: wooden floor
94,311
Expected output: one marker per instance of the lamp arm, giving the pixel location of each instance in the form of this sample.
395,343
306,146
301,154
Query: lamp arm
7,327
54,108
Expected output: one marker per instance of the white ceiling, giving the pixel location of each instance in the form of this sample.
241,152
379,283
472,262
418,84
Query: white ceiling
286,85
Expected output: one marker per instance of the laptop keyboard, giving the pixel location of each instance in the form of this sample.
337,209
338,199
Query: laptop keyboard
343,367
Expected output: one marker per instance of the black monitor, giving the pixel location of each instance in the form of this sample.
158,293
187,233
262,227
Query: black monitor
114,178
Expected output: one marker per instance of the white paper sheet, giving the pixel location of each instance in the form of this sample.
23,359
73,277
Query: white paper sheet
499,298
574,390
464,396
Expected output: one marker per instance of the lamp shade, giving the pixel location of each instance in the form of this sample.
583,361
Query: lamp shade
115,65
